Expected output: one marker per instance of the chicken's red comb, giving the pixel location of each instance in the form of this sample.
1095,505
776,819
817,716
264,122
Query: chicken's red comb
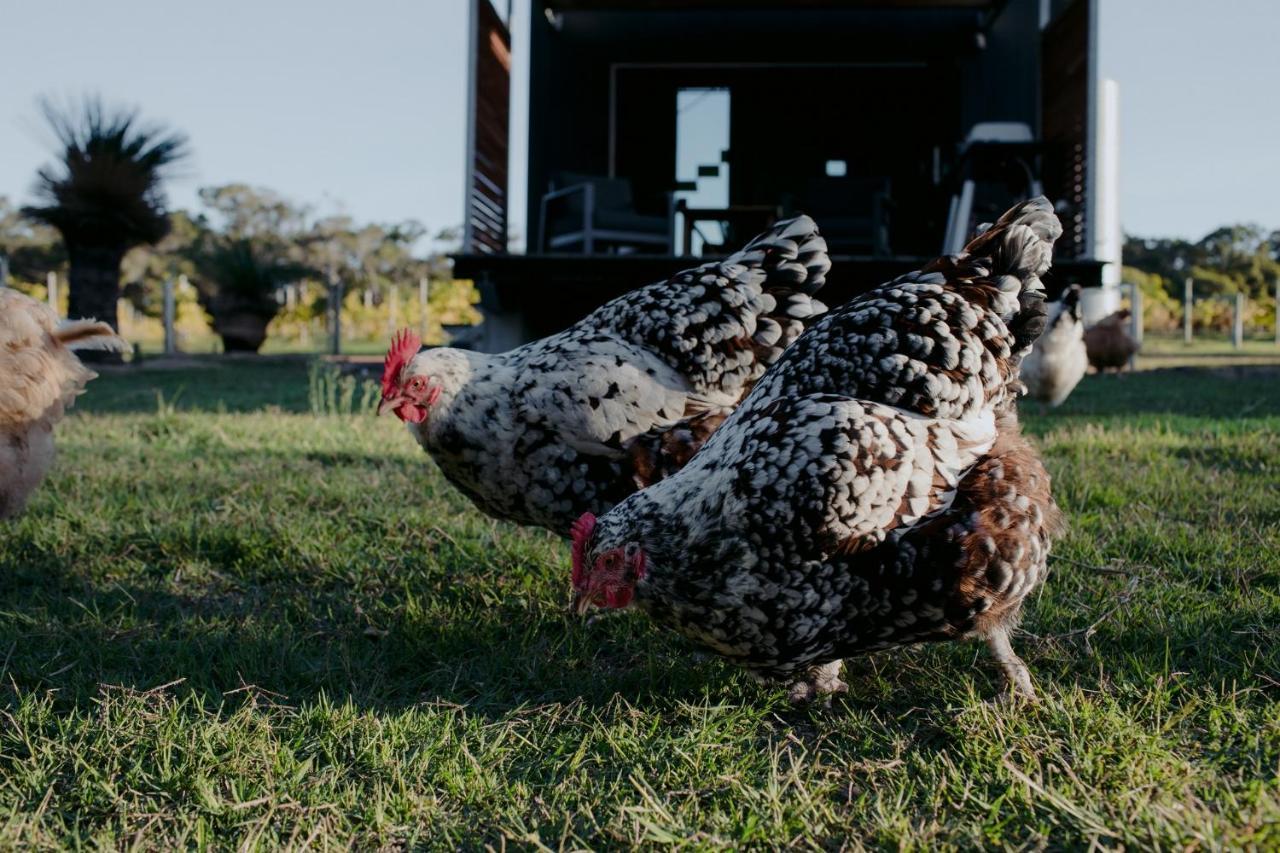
404,347
581,532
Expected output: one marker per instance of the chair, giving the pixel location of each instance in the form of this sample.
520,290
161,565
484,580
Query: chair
595,212
853,213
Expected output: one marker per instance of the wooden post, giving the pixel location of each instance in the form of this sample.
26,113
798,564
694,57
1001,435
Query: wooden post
1187,302
51,285
170,337
1135,322
4,271
424,295
335,309
1237,325
393,310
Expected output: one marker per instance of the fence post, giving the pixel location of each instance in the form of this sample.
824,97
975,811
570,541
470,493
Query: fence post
51,285
424,294
393,310
1237,325
4,271
1135,322
170,341
335,308
1187,300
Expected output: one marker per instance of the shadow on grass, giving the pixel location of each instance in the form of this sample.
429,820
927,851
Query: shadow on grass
210,385
492,650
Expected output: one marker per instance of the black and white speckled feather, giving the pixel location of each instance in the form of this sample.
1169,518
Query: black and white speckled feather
942,341
873,489
542,433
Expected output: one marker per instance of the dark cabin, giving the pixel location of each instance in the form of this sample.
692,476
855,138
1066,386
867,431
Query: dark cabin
665,132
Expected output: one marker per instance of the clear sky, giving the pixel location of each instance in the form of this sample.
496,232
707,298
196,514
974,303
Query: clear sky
358,107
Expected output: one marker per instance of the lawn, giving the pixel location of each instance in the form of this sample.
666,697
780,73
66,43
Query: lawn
227,620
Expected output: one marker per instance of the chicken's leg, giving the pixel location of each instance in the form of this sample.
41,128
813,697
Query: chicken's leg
815,682
1017,676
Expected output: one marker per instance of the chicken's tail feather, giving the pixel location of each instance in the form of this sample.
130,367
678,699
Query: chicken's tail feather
792,254
89,334
1014,253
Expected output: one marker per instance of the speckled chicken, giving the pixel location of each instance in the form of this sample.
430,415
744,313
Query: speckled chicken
1058,361
872,491
577,421
40,377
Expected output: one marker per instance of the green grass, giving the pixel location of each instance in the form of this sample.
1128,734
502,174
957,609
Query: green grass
1207,349
225,621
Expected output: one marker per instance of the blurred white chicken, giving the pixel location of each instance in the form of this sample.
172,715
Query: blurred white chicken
1058,361
40,377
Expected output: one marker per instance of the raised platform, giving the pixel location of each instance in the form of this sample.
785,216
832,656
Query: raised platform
529,296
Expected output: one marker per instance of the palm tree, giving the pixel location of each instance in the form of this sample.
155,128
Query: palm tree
104,195
237,283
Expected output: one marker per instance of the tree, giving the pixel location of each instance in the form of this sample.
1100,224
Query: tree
31,249
104,195
238,282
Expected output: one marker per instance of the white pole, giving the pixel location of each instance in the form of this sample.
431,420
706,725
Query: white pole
1187,301
51,285
170,341
1237,327
424,295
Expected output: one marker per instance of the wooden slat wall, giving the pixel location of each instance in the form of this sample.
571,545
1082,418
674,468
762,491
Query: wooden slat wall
1064,75
486,226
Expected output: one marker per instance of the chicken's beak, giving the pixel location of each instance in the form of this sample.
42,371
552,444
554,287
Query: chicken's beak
389,404
580,603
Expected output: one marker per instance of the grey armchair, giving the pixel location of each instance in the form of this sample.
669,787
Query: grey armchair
597,213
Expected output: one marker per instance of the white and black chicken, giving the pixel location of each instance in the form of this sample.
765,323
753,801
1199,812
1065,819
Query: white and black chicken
872,491
577,421
1059,360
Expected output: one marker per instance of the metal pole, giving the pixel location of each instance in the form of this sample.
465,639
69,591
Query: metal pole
170,340
424,294
1237,327
51,286
1187,301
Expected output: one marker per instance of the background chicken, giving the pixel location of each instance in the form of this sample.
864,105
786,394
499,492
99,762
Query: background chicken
1109,344
872,491
577,421
39,378
1058,361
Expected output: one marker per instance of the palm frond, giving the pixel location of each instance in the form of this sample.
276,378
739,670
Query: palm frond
107,186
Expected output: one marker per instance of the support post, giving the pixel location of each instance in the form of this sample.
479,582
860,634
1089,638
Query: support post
1187,302
1237,325
335,309
424,296
170,336
4,271
51,286
393,310
1135,322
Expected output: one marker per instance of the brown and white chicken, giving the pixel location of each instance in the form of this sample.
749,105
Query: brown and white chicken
577,421
1108,342
40,377
872,491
